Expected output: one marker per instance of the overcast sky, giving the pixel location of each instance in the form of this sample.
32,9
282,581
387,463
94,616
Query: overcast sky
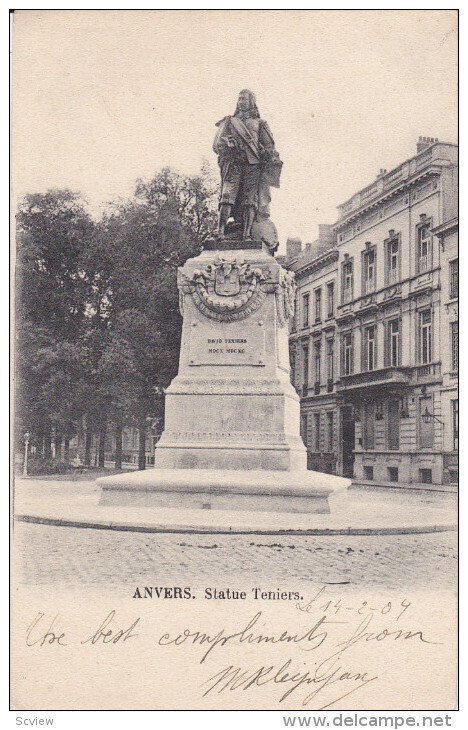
104,97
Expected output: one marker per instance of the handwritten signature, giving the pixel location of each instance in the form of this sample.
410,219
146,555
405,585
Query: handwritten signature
233,678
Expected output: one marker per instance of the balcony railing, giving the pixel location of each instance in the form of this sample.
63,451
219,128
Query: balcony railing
375,377
370,191
387,181
422,372
422,160
390,179
401,375
423,264
393,276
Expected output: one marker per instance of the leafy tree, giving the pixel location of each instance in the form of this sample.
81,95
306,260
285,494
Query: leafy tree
97,306
145,327
192,199
53,229
51,302
146,239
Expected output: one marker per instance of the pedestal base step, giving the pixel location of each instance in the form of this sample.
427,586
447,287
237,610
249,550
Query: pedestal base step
264,491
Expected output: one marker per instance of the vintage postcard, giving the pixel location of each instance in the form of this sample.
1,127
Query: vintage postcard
235,262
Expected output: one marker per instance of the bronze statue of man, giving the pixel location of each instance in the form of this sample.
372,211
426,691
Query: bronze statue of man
249,165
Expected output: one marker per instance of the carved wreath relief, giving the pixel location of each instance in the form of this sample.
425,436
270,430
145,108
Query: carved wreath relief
226,290
230,289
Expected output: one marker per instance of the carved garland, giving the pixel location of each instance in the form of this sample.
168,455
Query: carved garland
230,290
285,297
227,290
239,309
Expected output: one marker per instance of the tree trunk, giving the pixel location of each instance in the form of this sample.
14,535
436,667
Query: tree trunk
39,440
142,443
58,446
88,439
118,445
47,441
102,442
66,454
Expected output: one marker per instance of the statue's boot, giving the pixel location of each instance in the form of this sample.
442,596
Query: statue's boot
224,215
249,217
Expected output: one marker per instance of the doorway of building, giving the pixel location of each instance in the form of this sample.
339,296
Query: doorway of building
347,441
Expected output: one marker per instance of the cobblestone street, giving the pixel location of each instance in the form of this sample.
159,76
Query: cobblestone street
89,556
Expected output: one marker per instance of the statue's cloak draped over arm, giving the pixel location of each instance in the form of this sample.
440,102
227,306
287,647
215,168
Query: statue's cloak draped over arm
220,134
235,128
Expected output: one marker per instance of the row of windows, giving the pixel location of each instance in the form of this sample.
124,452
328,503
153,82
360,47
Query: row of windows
330,304
310,431
329,361
368,355
369,273
391,414
392,349
392,263
425,475
369,282
393,345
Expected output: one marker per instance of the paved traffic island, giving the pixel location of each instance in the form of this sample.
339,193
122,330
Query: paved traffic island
353,512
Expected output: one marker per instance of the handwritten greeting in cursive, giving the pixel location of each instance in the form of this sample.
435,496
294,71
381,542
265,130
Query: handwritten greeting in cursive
329,668
315,662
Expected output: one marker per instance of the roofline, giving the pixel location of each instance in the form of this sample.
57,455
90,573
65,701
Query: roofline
413,157
391,190
330,255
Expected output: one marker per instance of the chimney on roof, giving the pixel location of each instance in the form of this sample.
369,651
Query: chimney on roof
382,172
326,233
293,248
424,143
327,237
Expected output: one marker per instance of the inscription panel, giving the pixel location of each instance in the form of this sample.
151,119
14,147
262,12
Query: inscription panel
229,343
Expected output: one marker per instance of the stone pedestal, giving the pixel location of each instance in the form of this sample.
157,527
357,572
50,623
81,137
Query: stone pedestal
232,436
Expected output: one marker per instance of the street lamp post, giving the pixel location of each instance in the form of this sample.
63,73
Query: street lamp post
26,450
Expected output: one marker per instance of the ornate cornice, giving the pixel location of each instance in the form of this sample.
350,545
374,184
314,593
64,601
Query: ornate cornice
316,264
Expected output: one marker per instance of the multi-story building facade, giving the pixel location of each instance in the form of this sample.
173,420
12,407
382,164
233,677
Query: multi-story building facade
395,327
447,233
313,346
